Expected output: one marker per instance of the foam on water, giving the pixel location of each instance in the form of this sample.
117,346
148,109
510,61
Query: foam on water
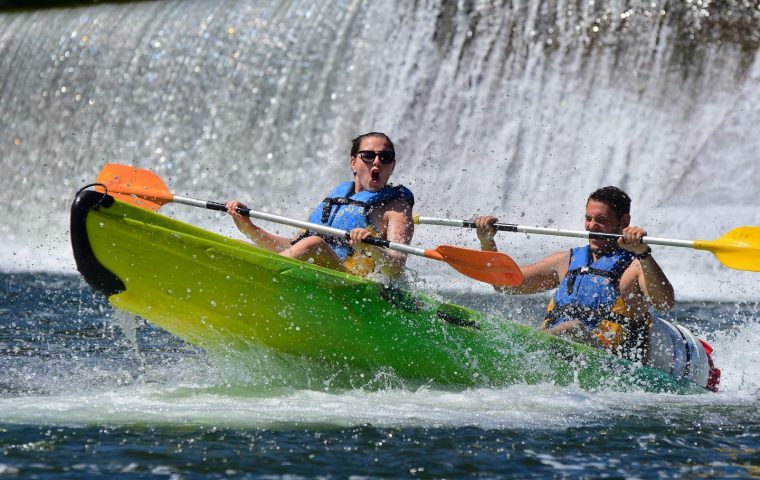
737,353
519,406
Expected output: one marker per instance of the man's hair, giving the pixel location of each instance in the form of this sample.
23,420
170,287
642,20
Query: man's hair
614,198
356,142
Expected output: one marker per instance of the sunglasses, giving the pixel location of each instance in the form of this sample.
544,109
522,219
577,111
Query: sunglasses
368,156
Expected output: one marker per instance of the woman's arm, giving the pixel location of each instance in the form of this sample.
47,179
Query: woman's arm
259,236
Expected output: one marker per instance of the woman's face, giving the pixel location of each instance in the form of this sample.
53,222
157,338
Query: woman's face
371,173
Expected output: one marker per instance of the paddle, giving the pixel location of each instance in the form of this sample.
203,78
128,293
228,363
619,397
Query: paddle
738,249
145,189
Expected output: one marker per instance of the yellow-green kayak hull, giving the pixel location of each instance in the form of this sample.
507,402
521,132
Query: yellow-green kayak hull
227,296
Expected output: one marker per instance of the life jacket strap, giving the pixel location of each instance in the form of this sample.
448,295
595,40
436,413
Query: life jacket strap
572,274
330,239
341,201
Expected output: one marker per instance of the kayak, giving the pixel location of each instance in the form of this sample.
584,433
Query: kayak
225,295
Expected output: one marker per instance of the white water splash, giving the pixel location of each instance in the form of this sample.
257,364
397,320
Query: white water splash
519,111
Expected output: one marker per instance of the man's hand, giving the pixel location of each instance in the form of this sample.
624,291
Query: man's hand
631,240
485,229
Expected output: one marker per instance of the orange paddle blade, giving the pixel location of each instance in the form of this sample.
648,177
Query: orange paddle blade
137,186
495,268
739,248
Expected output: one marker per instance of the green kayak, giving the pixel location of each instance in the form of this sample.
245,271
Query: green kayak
224,296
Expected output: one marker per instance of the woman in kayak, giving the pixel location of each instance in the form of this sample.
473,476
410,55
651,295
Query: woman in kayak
365,206
606,287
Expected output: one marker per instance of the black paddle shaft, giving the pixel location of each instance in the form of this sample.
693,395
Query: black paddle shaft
378,242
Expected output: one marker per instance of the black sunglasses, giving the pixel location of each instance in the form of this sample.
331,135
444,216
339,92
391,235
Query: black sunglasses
368,156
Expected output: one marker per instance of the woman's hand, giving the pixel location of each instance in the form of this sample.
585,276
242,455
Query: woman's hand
242,222
356,235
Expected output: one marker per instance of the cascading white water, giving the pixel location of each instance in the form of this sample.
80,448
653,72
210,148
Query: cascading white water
515,108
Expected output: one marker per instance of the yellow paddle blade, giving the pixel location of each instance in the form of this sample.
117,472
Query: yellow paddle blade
495,268
137,186
739,248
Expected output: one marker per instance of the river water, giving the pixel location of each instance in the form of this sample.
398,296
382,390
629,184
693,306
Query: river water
518,109
86,392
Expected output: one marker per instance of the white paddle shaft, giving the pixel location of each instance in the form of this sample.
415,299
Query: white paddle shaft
551,231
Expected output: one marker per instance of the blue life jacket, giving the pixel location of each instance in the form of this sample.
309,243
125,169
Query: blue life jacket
589,291
346,210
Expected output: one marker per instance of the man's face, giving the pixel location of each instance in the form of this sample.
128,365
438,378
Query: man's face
601,218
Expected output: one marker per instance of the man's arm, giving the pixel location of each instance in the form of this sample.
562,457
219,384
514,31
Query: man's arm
652,281
655,285
538,277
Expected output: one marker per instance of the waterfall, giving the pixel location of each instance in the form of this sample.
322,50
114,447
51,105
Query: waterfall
515,108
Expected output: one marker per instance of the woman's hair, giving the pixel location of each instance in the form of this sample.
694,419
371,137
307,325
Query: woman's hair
356,142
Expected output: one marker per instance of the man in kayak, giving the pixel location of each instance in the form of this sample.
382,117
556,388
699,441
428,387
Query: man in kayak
605,288
364,206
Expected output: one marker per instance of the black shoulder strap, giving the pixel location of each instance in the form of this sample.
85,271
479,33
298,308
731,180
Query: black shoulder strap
340,201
